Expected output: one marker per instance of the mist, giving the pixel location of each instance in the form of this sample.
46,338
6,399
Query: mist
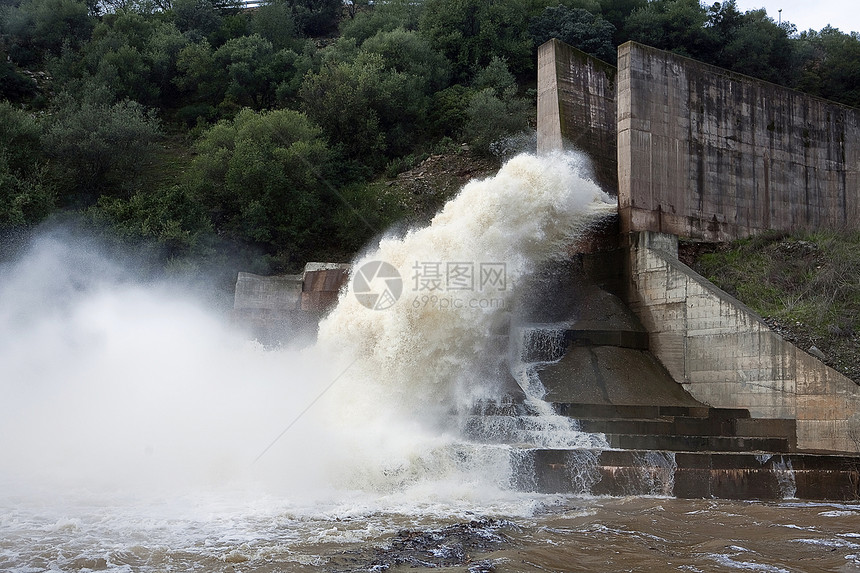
109,380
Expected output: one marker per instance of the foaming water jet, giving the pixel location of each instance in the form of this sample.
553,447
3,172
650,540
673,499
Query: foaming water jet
114,383
426,351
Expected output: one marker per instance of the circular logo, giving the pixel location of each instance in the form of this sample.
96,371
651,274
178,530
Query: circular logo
377,285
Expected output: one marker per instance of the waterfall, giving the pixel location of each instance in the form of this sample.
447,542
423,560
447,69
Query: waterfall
457,279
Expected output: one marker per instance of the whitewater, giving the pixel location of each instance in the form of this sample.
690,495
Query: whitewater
140,431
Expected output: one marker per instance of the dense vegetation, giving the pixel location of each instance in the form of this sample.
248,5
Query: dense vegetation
190,129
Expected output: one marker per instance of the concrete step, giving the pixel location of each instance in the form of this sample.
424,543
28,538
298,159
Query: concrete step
696,443
546,431
725,475
549,342
671,428
591,411
686,426
501,427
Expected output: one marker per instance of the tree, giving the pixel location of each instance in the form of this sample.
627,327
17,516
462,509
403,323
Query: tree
751,43
132,54
760,48
496,76
494,110
448,111
354,6
830,65
371,111
200,80
493,115
19,138
293,67
408,52
382,17
577,27
470,32
340,98
170,222
114,56
161,53
96,147
13,85
275,23
25,195
197,18
259,177
316,18
675,25
25,198
38,28
250,74
615,12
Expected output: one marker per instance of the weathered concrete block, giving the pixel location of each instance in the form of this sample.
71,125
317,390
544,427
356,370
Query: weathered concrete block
270,293
576,108
668,317
277,307
671,348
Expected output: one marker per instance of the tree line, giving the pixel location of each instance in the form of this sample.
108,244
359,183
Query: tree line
189,128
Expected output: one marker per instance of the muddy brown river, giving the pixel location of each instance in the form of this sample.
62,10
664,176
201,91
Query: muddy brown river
236,533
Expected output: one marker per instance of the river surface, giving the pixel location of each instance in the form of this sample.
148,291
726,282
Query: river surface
242,532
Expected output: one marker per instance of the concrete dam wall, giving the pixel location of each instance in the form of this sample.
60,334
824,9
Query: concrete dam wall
576,104
698,151
724,354
706,154
275,308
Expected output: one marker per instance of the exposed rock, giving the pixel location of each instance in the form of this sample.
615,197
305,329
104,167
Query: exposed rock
816,352
428,185
452,546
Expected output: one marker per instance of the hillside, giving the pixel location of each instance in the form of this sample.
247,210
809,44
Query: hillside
423,190
208,135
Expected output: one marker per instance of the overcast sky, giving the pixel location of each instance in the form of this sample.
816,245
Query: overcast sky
806,14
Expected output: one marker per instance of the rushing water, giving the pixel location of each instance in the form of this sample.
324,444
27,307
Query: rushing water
250,531
139,432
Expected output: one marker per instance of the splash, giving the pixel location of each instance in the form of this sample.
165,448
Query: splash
110,381
418,358
440,343
107,381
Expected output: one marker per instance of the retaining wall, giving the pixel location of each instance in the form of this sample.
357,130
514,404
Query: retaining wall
277,308
725,356
707,154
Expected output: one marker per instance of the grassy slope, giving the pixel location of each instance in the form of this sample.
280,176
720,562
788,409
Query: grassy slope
805,285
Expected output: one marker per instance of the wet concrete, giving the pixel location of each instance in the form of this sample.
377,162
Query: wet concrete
661,441
705,474
611,375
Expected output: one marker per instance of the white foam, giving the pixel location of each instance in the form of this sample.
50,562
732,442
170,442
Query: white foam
131,398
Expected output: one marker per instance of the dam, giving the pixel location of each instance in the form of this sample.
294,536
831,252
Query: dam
704,154
694,395
698,153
